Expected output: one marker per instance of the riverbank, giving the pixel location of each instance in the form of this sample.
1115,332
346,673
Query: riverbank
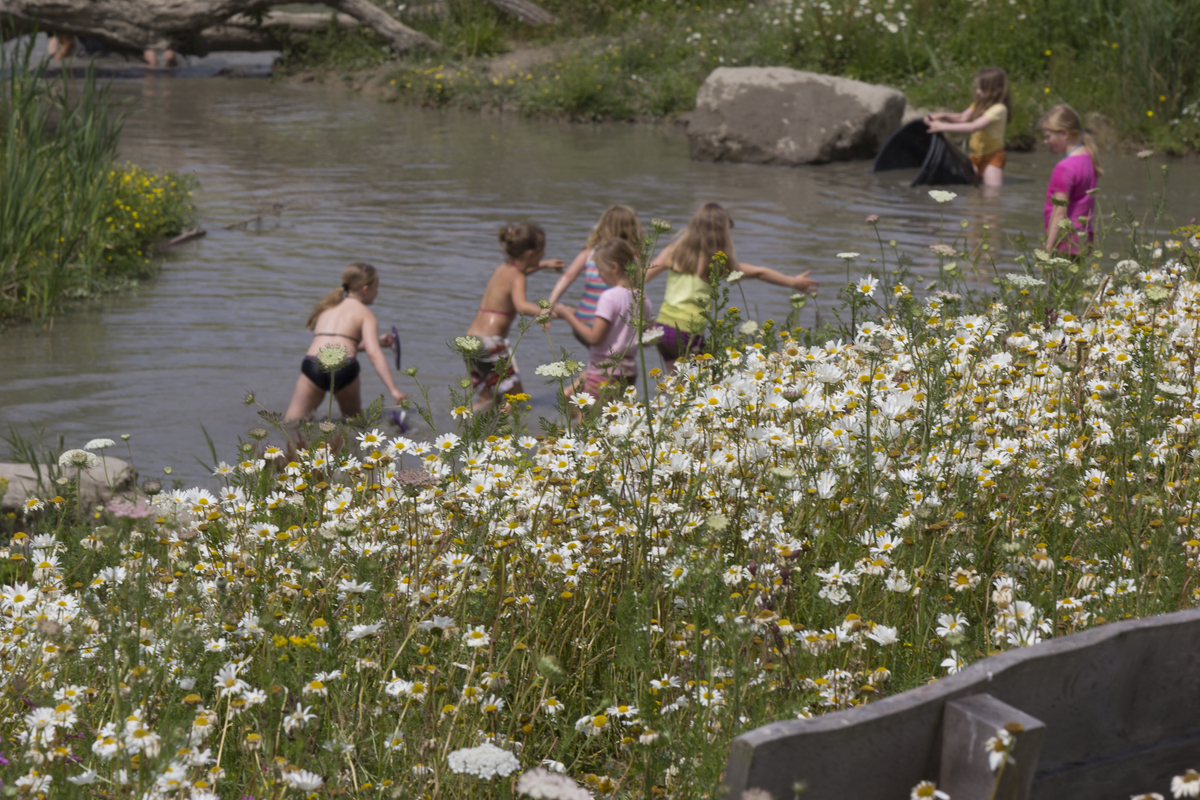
74,224
1128,69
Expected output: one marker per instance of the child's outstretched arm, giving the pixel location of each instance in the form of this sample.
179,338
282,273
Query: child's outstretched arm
592,334
570,275
949,116
370,343
520,303
660,262
801,282
977,124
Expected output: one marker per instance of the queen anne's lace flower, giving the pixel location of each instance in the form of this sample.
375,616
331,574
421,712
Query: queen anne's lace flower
80,459
559,369
541,784
484,762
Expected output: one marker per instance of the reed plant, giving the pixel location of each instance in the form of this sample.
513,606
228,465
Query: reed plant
791,523
72,222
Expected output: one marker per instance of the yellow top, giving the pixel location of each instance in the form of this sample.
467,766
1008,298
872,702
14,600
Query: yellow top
990,139
686,299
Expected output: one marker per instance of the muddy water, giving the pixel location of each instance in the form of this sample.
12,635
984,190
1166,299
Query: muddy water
419,194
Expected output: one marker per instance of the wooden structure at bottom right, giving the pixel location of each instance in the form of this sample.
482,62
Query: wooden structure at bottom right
1105,714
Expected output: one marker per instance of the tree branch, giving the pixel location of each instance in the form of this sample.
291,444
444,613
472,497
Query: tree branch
399,36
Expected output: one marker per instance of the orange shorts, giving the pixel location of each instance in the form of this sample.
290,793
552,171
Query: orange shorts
995,159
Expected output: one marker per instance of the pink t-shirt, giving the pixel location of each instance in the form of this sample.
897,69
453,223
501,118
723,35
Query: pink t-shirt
1073,176
617,347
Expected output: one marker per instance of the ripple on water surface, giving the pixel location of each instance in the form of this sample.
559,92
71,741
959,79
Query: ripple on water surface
420,194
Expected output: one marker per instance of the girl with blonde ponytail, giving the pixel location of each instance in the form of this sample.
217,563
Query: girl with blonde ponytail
1069,201
342,325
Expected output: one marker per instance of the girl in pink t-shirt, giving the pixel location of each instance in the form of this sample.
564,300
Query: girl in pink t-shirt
617,222
1069,201
612,336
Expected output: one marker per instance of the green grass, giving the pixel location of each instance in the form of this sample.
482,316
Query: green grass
1129,61
72,222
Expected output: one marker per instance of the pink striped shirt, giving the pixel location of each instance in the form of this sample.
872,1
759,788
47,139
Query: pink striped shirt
593,285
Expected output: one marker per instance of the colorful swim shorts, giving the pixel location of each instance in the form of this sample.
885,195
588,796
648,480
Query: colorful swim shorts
486,363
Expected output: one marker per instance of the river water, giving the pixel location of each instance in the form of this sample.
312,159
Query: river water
420,194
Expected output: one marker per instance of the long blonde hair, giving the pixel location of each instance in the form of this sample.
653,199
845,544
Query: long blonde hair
993,85
356,277
1064,118
706,234
618,222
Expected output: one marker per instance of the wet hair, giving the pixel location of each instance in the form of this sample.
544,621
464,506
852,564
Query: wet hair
706,234
616,254
993,85
517,240
1064,118
356,277
618,222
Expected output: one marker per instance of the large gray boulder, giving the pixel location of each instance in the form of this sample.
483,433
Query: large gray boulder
98,485
777,115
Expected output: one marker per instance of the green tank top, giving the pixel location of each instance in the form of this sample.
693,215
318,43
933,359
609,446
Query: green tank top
687,298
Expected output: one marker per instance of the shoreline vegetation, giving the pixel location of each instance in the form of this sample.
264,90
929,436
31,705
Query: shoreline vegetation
1128,66
74,223
792,523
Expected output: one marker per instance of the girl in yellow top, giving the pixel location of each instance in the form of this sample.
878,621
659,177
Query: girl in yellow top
688,296
985,121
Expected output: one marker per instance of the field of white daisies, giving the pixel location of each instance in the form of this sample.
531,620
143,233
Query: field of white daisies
793,523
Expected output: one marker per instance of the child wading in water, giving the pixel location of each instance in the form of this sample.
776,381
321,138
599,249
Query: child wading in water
618,222
342,318
1067,196
985,120
688,295
523,245
612,335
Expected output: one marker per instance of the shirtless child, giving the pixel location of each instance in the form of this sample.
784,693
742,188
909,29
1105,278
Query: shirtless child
493,368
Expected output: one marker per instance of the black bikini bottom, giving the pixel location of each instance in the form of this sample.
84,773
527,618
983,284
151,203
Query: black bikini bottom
339,379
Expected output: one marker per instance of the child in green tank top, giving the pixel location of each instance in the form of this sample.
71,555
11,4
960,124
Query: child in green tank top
687,295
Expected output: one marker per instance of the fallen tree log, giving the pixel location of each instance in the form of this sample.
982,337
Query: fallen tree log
527,12
136,25
241,32
289,20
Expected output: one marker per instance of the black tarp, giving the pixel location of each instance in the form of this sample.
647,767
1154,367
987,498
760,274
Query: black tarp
937,161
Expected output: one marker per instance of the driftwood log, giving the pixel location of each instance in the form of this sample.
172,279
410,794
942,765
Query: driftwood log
202,26
524,10
241,32
180,25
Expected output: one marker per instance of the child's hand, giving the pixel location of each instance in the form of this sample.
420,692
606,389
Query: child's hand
935,126
398,395
802,283
552,263
562,311
386,339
